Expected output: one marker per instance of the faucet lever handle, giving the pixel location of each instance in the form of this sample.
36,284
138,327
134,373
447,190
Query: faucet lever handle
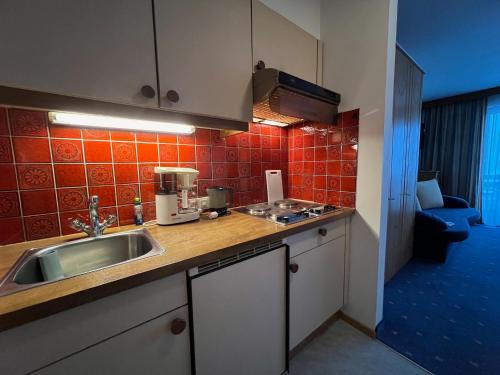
110,220
94,200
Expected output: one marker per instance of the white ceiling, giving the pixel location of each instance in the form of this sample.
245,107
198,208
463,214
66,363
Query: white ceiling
456,42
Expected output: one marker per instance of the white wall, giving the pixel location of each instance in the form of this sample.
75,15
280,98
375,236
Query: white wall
358,62
304,13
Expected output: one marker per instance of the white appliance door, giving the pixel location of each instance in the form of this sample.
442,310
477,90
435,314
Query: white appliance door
274,185
240,318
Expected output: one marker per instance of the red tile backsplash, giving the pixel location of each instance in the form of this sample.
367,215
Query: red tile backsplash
48,171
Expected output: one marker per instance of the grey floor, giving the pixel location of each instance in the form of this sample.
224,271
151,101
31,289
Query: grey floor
344,350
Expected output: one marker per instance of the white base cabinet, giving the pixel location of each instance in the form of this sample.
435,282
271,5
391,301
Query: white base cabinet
317,273
151,348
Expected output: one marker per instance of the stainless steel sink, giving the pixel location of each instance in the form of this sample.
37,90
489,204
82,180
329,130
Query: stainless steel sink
45,265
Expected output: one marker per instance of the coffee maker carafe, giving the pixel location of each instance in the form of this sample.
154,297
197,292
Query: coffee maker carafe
217,199
176,195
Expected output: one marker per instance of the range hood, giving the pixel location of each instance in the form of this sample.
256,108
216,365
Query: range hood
282,99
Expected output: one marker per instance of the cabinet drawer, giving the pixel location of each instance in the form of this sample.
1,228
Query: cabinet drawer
59,335
316,288
150,348
312,238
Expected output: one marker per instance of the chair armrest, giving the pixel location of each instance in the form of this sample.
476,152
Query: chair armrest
429,222
454,202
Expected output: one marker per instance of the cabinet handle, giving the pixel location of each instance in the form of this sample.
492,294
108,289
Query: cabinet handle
148,92
172,96
294,267
322,231
177,326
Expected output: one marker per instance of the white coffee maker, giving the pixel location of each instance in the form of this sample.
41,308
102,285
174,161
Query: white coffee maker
176,195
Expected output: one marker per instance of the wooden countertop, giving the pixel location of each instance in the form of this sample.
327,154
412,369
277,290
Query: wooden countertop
187,245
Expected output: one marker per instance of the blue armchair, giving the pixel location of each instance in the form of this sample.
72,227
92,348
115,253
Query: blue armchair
436,228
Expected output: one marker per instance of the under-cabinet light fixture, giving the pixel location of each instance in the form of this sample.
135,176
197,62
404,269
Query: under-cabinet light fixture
110,122
274,123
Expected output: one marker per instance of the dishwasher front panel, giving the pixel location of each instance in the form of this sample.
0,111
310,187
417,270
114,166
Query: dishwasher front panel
240,317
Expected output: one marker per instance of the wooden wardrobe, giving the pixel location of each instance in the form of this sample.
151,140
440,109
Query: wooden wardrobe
408,78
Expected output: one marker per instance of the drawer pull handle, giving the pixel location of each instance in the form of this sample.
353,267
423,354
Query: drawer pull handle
294,267
148,92
172,96
322,231
177,326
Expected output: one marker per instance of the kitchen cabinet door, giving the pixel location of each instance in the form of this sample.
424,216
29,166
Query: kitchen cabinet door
316,288
158,346
91,49
283,45
204,57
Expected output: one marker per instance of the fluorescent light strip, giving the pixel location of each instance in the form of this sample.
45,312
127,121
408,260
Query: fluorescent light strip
274,123
109,122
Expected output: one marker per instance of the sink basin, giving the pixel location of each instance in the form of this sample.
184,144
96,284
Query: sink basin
45,265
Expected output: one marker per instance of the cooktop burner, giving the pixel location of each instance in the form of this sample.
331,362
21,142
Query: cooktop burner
287,211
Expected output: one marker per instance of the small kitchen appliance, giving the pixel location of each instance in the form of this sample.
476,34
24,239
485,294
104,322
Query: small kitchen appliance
217,199
176,195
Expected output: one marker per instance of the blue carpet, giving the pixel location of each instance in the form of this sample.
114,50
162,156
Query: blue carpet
446,317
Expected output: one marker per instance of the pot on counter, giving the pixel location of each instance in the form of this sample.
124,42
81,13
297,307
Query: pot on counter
217,199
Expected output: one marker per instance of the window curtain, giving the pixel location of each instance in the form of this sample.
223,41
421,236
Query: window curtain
491,164
452,143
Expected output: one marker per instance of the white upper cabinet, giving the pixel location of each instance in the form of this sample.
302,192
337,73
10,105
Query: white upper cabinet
204,57
90,49
283,45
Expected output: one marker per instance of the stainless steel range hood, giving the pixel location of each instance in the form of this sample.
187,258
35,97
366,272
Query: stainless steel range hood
282,98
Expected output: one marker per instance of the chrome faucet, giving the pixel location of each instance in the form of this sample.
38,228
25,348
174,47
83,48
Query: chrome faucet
96,228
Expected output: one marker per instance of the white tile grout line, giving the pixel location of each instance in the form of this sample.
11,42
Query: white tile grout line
54,172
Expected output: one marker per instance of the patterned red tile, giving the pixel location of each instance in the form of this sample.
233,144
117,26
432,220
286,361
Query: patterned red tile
334,152
348,184
41,226
61,131
187,153
124,152
266,141
350,151
320,168
320,154
4,127
348,168
320,196
126,173
297,180
8,180
333,168
169,153
5,150
218,154
9,204
120,135
125,194
28,123
335,136
31,150
216,139
205,170
146,137
244,140
72,199
308,167
254,128
203,185
38,202
203,153
147,172
255,140
265,155
309,154
320,137
219,170
308,140
100,174
148,192
350,135
106,195
275,143
255,155
333,183
298,141
350,118
298,154
348,199
97,152
70,175
147,152
15,232
265,129
232,154
67,151
35,176
232,169
244,170
95,134
307,181
202,136
320,182
167,138
186,139
297,167
149,211
333,197
126,215
275,156
232,140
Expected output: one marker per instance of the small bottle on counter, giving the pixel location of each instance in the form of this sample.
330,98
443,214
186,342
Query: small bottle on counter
138,212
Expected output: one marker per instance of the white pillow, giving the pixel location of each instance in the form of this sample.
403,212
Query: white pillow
418,207
429,194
